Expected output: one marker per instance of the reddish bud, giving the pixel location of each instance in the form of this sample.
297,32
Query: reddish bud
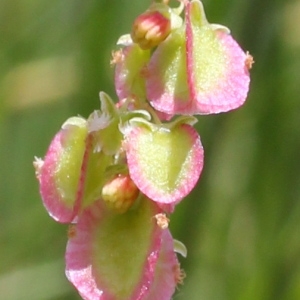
150,29
120,193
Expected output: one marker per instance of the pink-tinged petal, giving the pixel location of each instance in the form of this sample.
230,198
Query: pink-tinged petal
129,78
166,76
61,177
72,174
57,208
116,257
165,164
218,77
198,69
167,272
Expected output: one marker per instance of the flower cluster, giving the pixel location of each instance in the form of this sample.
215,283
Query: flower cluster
116,176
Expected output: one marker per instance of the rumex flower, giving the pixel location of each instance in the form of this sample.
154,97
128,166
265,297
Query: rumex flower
118,175
127,256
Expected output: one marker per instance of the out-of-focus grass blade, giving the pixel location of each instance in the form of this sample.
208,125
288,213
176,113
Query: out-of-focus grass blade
38,282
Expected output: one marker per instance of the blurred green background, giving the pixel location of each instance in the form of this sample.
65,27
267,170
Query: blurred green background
241,224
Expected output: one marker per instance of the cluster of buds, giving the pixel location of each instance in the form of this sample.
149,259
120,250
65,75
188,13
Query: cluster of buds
117,176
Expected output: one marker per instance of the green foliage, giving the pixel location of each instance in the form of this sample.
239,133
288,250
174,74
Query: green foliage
240,225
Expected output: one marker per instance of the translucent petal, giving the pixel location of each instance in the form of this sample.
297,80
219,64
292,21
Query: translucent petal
72,174
129,78
198,69
104,262
165,163
217,74
60,175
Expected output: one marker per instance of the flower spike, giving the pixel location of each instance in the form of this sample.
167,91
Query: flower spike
118,175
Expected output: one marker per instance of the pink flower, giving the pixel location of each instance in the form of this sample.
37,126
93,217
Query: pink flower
113,257
61,173
165,162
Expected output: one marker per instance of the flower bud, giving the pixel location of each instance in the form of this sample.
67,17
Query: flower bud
119,193
150,29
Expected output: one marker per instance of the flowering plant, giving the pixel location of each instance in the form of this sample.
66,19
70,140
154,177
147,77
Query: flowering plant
117,176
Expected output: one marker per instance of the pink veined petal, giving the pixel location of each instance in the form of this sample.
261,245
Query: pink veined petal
59,208
198,69
80,254
166,78
167,273
129,81
147,159
104,263
121,74
224,84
